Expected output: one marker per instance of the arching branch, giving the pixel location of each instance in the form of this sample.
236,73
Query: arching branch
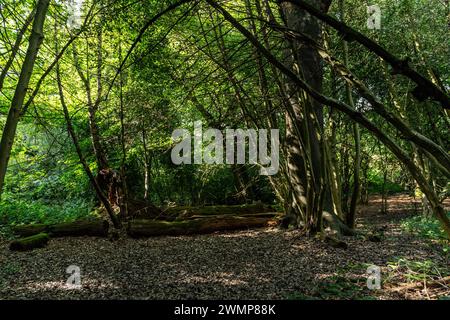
425,88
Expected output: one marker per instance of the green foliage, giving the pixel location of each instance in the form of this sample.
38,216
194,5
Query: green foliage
415,271
38,211
427,227
192,65
337,287
376,184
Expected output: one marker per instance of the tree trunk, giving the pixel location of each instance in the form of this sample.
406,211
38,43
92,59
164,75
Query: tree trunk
185,212
304,122
9,132
93,105
80,228
351,214
98,190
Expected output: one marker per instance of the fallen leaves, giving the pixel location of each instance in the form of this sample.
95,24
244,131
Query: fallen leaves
252,264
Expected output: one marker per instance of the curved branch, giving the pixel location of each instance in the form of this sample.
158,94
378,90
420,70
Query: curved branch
432,148
425,88
139,37
401,155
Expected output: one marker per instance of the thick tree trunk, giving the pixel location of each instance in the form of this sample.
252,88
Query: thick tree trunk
401,155
80,228
304,122
9,132
185,212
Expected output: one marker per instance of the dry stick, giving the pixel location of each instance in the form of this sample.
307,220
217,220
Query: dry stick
415,285
86,168
438,209
425,88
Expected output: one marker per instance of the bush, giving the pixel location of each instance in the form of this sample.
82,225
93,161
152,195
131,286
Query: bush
13,212
427,227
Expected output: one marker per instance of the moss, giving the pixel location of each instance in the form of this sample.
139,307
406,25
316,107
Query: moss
28,243
30,229
139,228
82,227
186,211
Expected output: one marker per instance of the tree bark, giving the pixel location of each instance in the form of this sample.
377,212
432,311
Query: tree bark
401,155
425,88
304,122
98,190
9,132
148,228
86,227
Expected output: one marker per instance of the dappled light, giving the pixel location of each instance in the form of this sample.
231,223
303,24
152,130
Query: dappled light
213,149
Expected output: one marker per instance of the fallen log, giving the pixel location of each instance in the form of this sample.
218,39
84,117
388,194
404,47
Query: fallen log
251,215
29,243
186,211
29,229
149,228
84,227
79,228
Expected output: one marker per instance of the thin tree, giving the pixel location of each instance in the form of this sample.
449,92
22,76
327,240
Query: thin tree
15,111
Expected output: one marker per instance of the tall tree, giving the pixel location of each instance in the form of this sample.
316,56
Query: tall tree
15,111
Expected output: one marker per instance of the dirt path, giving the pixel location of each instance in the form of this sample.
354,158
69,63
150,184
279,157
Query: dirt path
257,264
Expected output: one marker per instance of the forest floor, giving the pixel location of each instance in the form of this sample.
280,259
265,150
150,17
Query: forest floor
255,264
